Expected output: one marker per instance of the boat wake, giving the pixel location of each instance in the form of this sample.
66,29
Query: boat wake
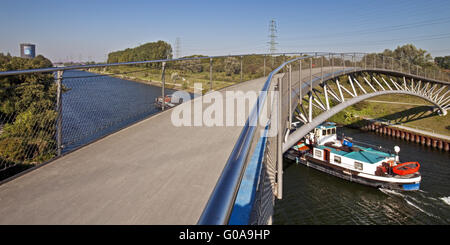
413,202
446,200
391,192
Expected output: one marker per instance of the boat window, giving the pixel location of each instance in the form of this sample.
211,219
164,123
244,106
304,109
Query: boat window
324,132
337,159
358,165
318,153
333,130
329,131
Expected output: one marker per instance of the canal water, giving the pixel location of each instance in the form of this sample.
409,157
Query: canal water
95,106
311,197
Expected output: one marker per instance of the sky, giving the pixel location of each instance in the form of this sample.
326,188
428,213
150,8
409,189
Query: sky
87,30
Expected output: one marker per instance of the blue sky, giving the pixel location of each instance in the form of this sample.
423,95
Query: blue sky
82,30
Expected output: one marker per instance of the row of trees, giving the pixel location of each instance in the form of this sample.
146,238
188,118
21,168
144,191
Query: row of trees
149,51
410,54
443,62
407,54
27,112
162,50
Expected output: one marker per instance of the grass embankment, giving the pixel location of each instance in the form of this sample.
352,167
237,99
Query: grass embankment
402,109
176,79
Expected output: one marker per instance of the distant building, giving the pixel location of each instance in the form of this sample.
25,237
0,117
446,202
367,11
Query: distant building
27,50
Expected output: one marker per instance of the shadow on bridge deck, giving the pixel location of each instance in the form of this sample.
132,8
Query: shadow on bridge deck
149,173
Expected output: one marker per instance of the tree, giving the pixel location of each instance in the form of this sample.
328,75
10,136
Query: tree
443,62
410,54
232,66
150,51
27,112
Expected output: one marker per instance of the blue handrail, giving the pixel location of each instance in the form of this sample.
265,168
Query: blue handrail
221,202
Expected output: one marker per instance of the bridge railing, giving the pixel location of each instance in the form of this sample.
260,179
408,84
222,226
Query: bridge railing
289,81
48,112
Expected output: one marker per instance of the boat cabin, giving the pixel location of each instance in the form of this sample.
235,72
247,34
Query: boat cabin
343,152
324,133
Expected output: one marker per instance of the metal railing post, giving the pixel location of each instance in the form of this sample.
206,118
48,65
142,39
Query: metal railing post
353,61
375,61
210,74
310,74
365,62
300,81
280,142
163,84
332,63
264,66
59,78
241,68
290,95
321,69
343,63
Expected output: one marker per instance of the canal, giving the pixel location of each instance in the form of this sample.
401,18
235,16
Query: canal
95,106
311,197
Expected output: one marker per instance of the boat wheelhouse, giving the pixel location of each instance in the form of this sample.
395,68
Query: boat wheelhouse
321,149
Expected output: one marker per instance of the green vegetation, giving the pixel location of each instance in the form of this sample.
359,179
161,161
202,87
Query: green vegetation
27,112
410,54
443,62
227,71
149,51
184,73
411,112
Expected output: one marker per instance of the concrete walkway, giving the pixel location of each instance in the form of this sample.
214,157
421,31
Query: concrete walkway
149,173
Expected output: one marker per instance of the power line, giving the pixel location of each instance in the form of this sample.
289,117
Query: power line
382,42
378,29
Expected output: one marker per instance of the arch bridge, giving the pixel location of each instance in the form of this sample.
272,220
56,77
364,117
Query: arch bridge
308,91
239,172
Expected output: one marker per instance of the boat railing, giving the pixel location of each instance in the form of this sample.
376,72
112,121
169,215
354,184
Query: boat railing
375,147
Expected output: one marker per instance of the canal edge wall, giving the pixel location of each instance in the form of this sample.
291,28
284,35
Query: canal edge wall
436,141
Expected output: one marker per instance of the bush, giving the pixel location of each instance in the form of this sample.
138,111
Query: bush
27,112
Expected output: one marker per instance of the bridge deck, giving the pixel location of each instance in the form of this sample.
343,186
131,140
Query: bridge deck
149,173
